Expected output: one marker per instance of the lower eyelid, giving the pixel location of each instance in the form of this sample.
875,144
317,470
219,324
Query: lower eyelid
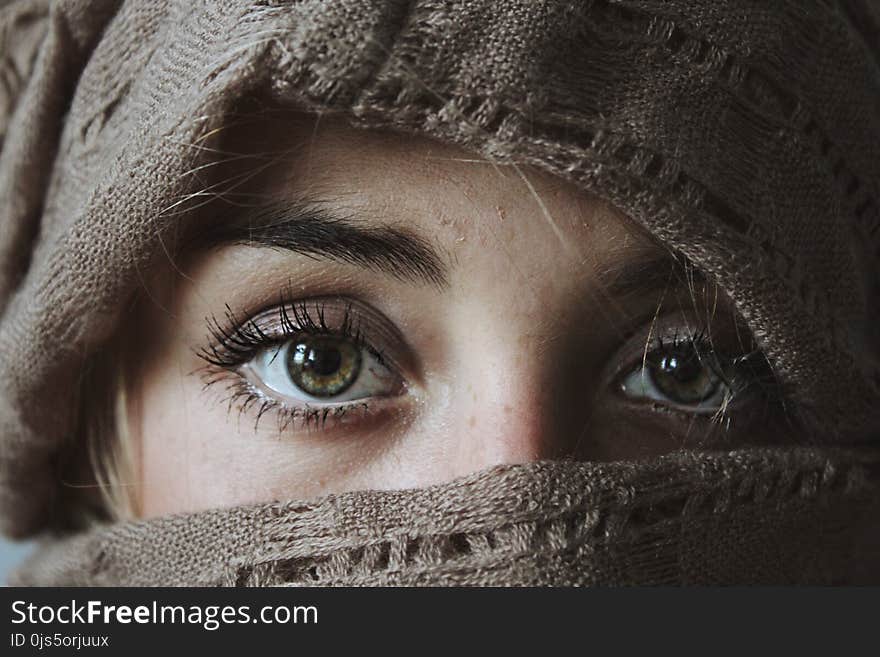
242,397
657,406
359,415
238,395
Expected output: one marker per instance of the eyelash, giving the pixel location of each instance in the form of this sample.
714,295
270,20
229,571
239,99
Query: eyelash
234,343
752,376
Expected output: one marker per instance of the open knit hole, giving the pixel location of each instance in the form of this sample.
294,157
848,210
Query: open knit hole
646,516
768,487
834,481
289,570
677,38
492,122
601,526
356,555
459,545
626,153
700,504
727,214
573,525
792,485
654,167
380,555
581,136
243,576
411,549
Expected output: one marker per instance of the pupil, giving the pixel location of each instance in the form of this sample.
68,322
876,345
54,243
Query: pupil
322,360
681,369
683,378
324,366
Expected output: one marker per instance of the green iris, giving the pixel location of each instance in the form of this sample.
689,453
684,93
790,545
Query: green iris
684,378
324,366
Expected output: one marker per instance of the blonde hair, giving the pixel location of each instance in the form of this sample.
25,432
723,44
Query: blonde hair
105,432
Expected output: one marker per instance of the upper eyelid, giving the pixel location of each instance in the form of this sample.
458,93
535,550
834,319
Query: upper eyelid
645,340
763,378
276,324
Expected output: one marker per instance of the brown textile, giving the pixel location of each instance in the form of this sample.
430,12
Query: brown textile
750,517
744,134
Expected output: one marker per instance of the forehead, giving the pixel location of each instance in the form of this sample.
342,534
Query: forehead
455,197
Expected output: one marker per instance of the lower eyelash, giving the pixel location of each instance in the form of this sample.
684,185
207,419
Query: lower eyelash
243,397
233,343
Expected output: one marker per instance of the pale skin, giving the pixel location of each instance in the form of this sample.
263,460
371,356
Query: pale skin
517,354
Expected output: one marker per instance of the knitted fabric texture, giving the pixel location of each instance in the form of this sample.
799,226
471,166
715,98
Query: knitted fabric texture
755,516
742,134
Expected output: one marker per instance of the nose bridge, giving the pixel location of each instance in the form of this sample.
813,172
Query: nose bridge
506,405
515,431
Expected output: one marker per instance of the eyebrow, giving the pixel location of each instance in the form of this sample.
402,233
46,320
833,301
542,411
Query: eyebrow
318,232
648,271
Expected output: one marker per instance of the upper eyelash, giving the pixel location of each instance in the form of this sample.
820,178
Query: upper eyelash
234,342
702,345
754,393
753,375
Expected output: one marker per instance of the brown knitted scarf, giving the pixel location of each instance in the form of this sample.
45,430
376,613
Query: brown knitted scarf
743,134
760,517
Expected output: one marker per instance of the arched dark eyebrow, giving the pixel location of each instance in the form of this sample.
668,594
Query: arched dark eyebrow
317,232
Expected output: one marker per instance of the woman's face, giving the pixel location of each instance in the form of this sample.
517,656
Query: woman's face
369,311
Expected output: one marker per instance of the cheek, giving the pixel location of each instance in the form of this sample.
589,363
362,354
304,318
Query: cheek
166,429
187,458
197,453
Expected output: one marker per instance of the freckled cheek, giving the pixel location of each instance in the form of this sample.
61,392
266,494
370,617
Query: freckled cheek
482,418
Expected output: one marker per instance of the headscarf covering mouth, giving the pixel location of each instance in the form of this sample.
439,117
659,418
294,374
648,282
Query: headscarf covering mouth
759,516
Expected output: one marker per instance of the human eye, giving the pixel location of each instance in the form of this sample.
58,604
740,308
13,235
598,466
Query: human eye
687,373
691,378
309,360
321,369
